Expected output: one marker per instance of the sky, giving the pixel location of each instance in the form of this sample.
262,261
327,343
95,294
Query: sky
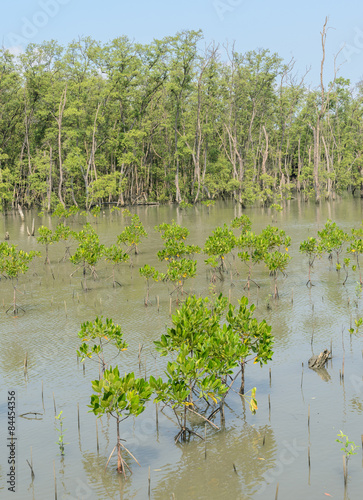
292,29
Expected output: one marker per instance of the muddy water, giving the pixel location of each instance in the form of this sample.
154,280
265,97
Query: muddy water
251,454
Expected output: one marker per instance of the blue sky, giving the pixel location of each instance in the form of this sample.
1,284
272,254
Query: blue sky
292,29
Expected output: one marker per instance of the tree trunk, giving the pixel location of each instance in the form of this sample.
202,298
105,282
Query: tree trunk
120,467
316,161
62,105
242,388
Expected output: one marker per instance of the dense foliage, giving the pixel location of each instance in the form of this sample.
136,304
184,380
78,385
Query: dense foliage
129,123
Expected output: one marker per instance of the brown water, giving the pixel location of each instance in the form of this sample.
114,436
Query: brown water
238,464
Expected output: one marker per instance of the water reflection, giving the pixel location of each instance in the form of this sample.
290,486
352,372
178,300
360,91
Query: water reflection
235,464
238,464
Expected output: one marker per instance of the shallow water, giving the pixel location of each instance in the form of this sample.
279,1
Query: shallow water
250,454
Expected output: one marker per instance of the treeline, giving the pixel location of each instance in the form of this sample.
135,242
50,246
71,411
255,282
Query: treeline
128,123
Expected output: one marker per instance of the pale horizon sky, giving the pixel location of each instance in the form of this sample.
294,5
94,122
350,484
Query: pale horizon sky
290,29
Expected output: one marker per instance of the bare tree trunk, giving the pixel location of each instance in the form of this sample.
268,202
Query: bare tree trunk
264,158
299,166
329,183
49,194
316,130
176,158
62,105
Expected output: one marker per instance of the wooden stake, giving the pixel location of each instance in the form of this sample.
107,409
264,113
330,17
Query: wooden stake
158,302
98,445
343,339
84,368
65,307
309,416
269,408
55,482
157,417
26,363
149,481
277,491
309,456
269,374
345,470
140,348
55,408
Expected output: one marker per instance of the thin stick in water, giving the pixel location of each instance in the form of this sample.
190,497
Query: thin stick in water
140,349
149,484
277,491
55,482
345,470
343,339
98,445
26,363
55,408
309,416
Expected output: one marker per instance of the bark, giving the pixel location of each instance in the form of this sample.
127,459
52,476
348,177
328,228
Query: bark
62,105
